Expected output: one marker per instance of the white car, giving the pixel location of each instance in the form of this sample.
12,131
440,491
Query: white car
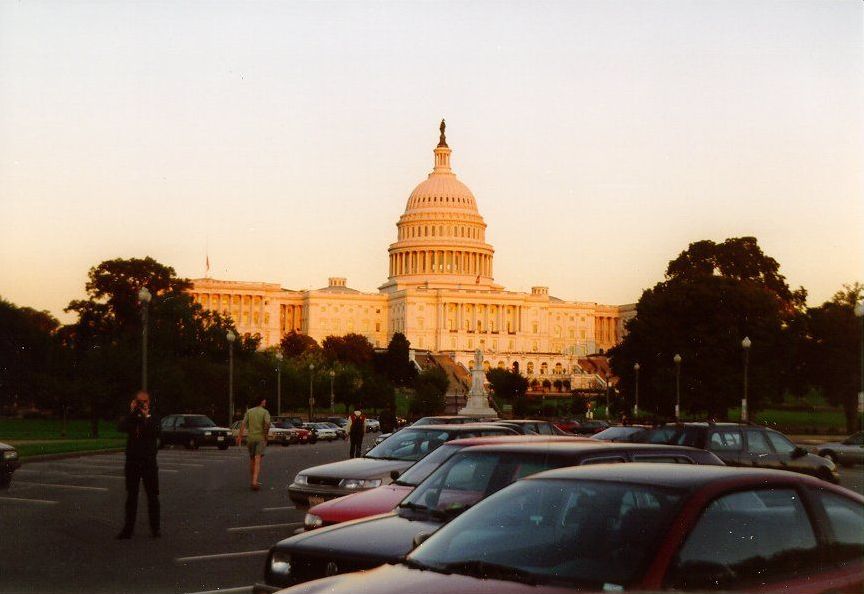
372,426
324,432
274,435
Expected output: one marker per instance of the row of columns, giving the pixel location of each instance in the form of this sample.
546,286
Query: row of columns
604,329
506,318
290,318
236,304
440,262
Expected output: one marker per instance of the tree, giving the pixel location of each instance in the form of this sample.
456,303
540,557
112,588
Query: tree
713,296
396,363
509,386
351,348
831,360
295,345
429,389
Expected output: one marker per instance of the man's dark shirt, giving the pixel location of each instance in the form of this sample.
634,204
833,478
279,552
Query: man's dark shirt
144,432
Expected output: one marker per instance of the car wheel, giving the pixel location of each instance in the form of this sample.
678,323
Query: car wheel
284,444
829,455
192,444
223,446
5,480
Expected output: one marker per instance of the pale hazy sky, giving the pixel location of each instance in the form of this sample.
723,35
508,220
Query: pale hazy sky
599,138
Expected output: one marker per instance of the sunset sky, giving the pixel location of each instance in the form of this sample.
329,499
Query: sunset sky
284,138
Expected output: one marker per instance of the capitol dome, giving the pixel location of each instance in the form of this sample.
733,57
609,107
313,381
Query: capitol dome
441,237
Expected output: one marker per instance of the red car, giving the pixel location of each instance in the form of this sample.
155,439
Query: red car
615,527
383,499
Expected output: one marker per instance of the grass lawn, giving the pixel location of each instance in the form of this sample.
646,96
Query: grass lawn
42,429
39,448
788,421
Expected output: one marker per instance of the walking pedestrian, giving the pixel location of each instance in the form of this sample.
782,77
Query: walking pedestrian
257,423
356,432
142,443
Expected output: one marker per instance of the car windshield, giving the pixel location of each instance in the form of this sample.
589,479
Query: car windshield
674,435
588,534
418,473
410,444
469,476
617,432
198,422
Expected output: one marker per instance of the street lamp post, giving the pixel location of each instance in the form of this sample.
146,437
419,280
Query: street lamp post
677,360
230,337
144,297
332,397
311,394
636,399
608,416
745,344
859,313
279,383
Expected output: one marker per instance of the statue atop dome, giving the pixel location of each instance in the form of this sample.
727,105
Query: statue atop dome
443,140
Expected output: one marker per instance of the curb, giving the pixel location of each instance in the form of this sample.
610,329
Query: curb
64,455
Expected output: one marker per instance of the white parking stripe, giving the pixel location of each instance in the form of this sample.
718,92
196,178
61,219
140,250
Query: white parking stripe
103,466
263,527
108,464
40,472
240,590
279,508
22,500
220,556
57,486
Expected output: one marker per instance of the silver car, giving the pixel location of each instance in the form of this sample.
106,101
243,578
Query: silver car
848,452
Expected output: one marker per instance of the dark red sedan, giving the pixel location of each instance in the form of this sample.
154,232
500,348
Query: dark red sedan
638,527
383,499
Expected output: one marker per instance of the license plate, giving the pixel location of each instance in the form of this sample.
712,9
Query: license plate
220,438
315,500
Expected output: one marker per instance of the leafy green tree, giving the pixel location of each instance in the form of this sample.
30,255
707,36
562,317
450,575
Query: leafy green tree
507,385
350,348
396,363
713,296
295,345
376,392
832,351
429,389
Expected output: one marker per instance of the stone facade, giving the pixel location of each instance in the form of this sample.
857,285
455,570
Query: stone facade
440,293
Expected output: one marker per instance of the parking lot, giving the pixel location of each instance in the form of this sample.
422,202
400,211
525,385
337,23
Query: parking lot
59,518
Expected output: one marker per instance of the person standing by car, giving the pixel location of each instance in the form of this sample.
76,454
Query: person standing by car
142,444
257,422
357,429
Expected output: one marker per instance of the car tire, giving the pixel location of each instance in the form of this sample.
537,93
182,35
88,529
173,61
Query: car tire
192,444
223,446
5,480
829,455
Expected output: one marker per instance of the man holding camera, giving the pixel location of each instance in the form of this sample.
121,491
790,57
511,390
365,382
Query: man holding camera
143,431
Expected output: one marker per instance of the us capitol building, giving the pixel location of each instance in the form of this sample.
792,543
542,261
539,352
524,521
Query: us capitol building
440,293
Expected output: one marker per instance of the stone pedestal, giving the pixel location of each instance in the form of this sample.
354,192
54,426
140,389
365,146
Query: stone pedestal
478,401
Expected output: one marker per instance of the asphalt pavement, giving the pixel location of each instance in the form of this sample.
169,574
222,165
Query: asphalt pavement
59,518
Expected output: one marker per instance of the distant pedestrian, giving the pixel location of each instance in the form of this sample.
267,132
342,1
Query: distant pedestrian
142,443
356,430
257,423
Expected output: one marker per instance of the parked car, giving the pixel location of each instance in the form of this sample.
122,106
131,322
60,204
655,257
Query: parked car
322,431
847,452
467,477
193,431
381,465
384,498
590,427
372,425
533,427
9,463
644,527
739,444
275,434
437,420
625,433
340,431
340,421
303,436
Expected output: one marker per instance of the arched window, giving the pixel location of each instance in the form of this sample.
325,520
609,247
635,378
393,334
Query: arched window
544,368
530,368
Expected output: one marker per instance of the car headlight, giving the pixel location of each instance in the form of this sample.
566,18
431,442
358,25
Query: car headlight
280,563
207,433
360,483
301,479
10,454
312,521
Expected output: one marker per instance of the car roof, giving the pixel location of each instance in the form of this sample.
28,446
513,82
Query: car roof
676,475
520,421
461,427
496,439
587,445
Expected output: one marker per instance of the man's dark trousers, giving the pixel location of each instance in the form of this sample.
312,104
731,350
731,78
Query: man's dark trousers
356,445
142,470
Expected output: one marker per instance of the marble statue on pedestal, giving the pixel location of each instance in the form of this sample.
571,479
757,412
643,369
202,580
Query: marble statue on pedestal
478,402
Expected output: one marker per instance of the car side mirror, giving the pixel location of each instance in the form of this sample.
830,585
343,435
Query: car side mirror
799,452
394,474
420,539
